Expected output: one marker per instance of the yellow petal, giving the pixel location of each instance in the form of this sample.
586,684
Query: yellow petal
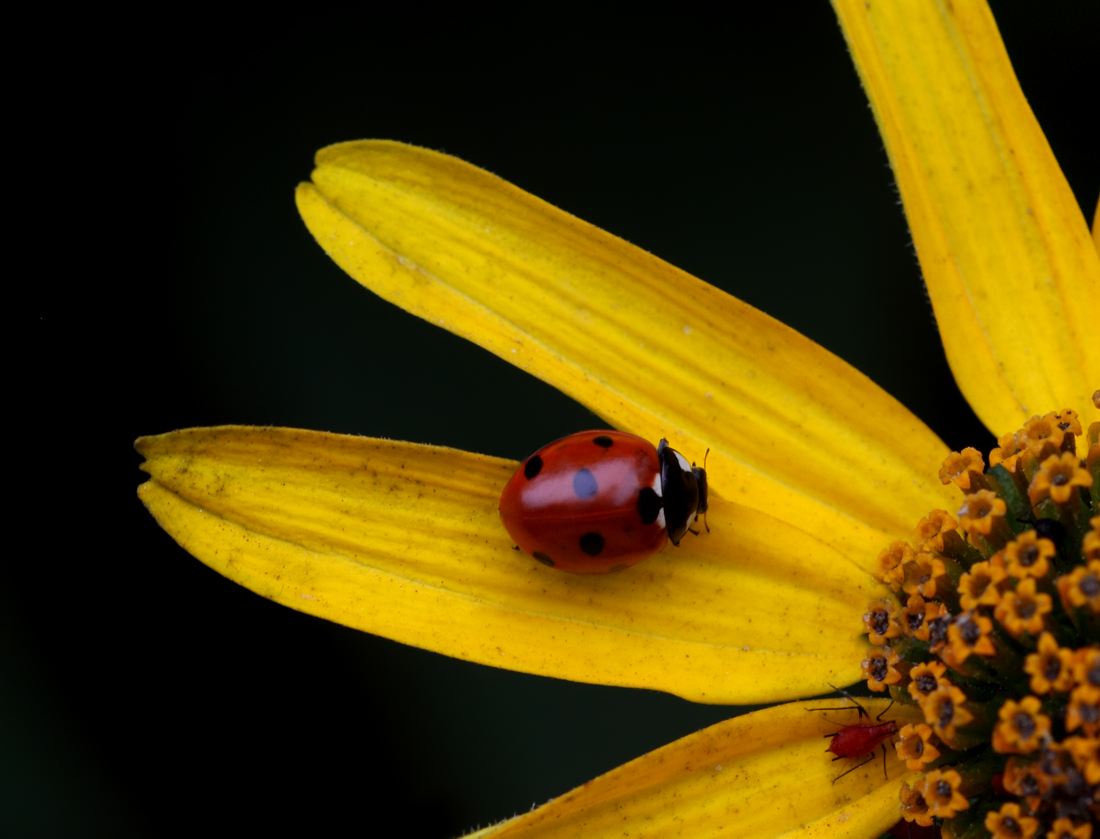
757,776
1096,227
793,431
404,541
1005,250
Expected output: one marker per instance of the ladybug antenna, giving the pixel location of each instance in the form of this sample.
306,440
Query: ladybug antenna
707,452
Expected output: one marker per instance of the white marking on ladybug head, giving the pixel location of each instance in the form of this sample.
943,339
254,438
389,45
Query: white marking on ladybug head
682,461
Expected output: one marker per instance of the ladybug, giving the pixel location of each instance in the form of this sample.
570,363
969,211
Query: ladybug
601,501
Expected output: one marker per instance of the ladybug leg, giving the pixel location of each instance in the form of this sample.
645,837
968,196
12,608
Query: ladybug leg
707,526
693,530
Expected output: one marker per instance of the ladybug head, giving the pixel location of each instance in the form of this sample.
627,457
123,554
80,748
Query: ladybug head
684,494
700,473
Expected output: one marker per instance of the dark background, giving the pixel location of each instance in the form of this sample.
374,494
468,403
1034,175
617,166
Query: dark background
143,694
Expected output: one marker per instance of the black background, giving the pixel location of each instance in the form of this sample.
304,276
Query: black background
143,694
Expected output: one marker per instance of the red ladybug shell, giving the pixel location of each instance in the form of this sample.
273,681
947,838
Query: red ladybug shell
593,502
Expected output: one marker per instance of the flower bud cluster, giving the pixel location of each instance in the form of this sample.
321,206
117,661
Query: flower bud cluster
993,630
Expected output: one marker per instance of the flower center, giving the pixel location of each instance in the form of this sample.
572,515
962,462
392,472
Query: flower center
1090,585
993,633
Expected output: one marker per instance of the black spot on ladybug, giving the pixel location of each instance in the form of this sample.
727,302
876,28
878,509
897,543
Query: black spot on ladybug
543,558
532,467
603,441
649,505
584,484
592,544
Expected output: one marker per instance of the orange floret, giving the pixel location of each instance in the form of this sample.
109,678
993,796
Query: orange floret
982,518
1086,666
915,746
941,791
1057,478
914,617
880,621
926,575
981,585
1008,823
1086,756
1051,668
1023,610
1024,778
1066,829
1022,728
926,679
1007,452
1083,710
969,633
938,532
964,469
913,806
1029,556
944,710
889,567
882,667
1090,545
1081,587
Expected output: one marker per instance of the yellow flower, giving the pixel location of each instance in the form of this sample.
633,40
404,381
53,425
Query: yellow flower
814,470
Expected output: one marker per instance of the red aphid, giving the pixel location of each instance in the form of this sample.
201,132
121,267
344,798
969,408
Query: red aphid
860,740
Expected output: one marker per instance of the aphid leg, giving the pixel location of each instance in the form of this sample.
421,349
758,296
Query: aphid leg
853,769
884,710
849,697
884,775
